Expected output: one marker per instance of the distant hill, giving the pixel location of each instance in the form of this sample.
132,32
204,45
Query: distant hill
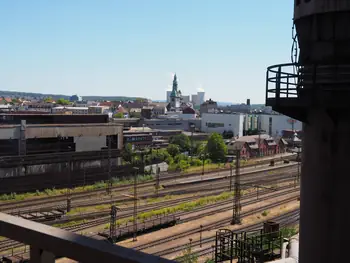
31,95
58,96
112,98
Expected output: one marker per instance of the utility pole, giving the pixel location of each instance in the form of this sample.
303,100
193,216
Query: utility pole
113,223
109,183
299,163
200,236
236,216
136,169
259,143
192,127
203,155
69,187
231,175
84,174
259,136
157,174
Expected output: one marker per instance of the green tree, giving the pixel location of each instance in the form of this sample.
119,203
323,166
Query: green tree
182,140
127,153
118,115
48,99
62,101
200,148
216,148
173,149
14,101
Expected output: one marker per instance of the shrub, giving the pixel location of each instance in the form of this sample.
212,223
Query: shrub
265,213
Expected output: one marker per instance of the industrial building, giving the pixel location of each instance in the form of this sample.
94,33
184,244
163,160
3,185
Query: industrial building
315,89
147,137
70,152
29,137
171,124
222,122
275,124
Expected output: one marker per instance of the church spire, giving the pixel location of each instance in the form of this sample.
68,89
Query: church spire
174,92
175,83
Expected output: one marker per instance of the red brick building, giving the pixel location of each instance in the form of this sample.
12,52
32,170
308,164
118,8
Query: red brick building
255,145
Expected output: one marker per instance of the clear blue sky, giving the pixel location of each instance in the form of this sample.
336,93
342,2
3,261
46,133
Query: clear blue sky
131,47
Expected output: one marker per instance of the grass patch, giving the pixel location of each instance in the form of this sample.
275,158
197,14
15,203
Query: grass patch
71,223
159,199
81,210
265,213
288,232
55,192
209,167
188,206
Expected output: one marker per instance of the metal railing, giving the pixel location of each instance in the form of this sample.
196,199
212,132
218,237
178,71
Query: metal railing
286,81
282,81
47,242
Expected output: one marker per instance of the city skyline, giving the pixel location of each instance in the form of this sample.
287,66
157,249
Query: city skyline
129,48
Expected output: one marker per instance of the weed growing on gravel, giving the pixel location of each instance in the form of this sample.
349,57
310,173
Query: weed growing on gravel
54,192
80,210
71,223
188,206
265,213
158,199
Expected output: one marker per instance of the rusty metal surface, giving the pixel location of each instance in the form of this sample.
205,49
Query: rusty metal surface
68,244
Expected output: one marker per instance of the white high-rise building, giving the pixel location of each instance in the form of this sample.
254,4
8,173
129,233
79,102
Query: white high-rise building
168,92
185,98
201,97
194,98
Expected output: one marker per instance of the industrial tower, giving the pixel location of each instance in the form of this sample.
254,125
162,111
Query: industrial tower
316,90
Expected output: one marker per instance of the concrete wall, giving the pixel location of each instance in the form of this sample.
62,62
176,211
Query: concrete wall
9,132
63,130
222,122
319,6
90,143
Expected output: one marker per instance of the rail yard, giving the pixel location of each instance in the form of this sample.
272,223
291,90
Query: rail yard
173,207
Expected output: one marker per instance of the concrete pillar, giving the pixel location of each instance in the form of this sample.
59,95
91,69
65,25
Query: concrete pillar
325,188
38,255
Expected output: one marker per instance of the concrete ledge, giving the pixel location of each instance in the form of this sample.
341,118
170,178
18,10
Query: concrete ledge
67,244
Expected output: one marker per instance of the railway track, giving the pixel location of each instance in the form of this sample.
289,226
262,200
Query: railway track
284,220
217,224
217,189
54,205
128,212
289,216
218,208
8,244
15,205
